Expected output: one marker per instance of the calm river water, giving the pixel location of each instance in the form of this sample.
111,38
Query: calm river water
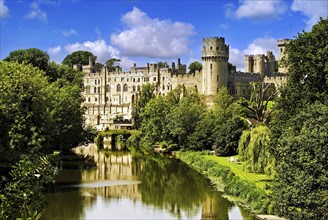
126,187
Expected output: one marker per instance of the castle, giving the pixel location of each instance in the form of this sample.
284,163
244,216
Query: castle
109,96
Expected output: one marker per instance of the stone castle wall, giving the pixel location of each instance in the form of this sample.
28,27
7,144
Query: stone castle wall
111,95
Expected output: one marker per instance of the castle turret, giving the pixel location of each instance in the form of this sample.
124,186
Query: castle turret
249,63
282,45
215,56
270,63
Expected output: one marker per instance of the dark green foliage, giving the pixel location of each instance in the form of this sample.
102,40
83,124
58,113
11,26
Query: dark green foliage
162,64
112,64
231,68
195,66
147,93
301,189
299,129
33,56
23,193
78,58
63,73
227,136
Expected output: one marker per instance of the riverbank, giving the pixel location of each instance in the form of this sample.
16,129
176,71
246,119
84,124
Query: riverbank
245,188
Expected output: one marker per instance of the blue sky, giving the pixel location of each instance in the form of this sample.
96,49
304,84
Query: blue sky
151,31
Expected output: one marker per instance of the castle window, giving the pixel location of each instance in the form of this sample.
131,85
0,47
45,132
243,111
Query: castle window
154,79
134,80
98,81
106,99
95,81
281,50
96,99
217,48
122,79
89,99
163,87
114,79
138,79
127,79
133,88
210,48
87,89
98,89
95,90
211,66
163,78
138,87
108,88
125,88
244,92
118,88
109,79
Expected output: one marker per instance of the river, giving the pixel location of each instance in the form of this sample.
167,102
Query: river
127,187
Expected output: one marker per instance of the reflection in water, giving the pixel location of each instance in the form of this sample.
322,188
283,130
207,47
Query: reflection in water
125,187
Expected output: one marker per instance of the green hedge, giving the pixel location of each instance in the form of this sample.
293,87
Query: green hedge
225,180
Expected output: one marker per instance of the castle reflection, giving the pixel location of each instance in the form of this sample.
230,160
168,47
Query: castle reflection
136,187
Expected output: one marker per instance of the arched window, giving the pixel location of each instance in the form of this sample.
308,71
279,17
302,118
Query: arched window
133,88
168,86
118,88
95,89
138,79
108,88
138,87
125,88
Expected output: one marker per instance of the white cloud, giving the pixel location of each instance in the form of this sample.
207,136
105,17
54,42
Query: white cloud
102,50
55,54
68,32
37,13
4,11
312,9
258,46
257,10
149,37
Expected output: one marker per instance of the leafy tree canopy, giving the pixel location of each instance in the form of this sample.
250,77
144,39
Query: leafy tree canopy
33,56
113,64
79,57
195,66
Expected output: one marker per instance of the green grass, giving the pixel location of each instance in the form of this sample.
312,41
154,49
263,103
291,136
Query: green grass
237,168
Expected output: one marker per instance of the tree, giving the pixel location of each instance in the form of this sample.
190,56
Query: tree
113,64
33,56
227,136
183,119
147,93
162,65
195,66
254,150
231,68
79,58
259,102
299,128
301,190
154,120
56,72
98,67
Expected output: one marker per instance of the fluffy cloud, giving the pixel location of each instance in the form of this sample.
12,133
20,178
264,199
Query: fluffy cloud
36,13
68,32
312,9
4,11
55,54
256,10
102,50
149,37
258,46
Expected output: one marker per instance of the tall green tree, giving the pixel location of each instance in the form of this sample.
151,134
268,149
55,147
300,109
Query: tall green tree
33,56
79,58
147,93
299,129
113,64
195,66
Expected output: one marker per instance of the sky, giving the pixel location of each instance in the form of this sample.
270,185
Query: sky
152,31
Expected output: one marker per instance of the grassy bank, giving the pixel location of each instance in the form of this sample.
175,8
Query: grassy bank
232,180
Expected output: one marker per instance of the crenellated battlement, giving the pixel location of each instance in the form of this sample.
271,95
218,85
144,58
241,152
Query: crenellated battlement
215,47
244,77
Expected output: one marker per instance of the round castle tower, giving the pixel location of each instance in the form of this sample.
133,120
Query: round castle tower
215,56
